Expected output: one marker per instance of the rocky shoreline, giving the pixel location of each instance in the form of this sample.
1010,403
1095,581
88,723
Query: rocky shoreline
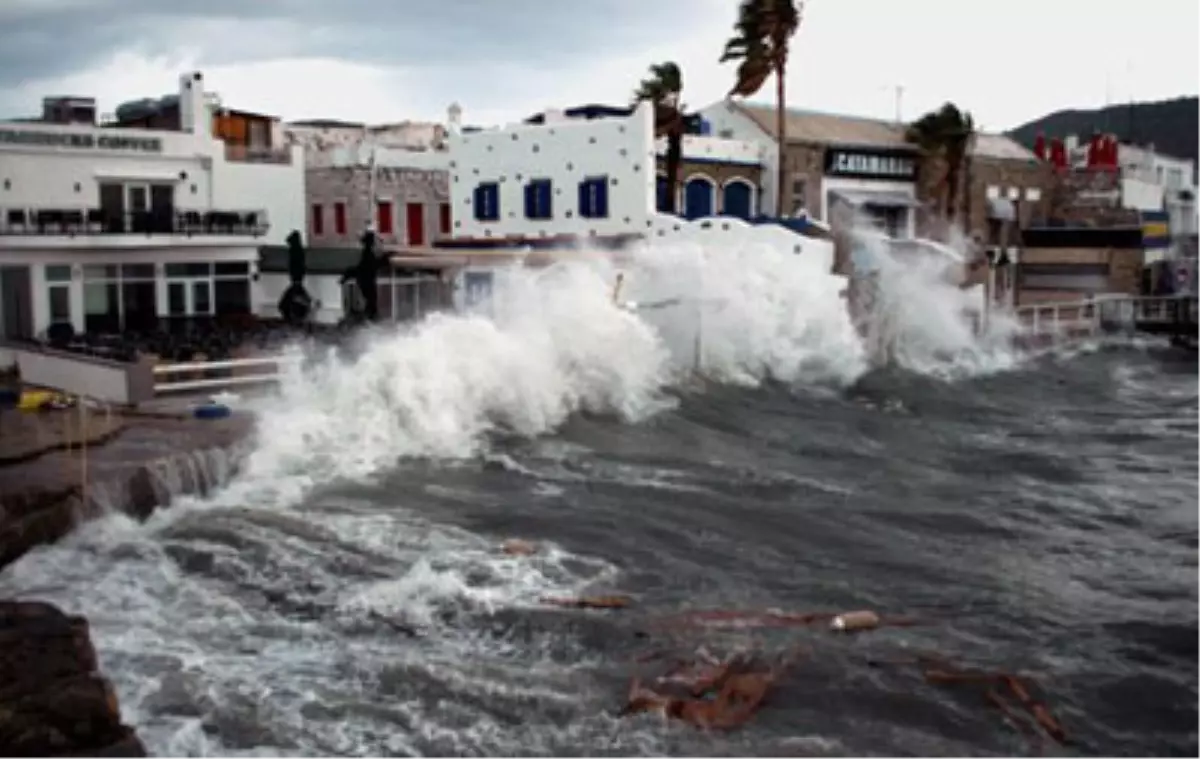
53,700
56,473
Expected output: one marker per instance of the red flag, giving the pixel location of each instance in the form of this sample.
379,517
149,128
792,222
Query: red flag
1039,146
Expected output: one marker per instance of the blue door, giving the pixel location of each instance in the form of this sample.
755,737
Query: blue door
698,198
736,200
662,194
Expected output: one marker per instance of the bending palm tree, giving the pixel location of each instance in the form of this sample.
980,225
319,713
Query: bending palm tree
662,88
945,134
761,39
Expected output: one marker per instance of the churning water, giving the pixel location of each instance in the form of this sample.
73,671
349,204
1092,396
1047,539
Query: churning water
346,594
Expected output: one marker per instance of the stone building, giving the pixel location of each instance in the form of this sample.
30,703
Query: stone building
411,208
860,164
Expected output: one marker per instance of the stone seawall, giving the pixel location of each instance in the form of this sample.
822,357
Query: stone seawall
49,483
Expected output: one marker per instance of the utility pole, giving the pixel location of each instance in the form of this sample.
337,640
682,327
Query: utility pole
899,101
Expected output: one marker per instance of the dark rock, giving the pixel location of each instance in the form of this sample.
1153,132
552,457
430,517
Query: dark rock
53,702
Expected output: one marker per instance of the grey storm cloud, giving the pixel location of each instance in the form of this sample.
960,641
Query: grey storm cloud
50,38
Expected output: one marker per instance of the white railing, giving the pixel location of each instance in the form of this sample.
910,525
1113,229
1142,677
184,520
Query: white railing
1091,315
207,382
1061,317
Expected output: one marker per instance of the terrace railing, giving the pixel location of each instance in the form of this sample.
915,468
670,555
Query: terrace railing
97,221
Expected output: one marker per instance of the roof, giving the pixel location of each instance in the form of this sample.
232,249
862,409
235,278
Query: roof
1001,147
828,128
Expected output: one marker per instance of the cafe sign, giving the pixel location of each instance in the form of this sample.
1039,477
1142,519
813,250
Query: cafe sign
117,142
893,165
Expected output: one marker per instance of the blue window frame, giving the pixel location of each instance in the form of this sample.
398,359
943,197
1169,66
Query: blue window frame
487,202
538,203
593,198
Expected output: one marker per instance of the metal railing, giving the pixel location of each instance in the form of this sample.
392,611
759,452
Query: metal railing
1105,312
98,221
218,375
255,154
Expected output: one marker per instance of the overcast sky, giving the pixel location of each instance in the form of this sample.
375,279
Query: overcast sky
390,60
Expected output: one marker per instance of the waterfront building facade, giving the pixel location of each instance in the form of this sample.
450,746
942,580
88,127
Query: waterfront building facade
149,221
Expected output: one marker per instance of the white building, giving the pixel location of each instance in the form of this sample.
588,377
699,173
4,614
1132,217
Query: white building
113,228
1151,182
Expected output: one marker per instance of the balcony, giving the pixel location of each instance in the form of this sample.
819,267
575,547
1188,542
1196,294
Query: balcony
72,222
249,154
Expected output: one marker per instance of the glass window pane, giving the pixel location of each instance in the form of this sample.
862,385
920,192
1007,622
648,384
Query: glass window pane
189,270
176,299
232,296
99,272
137,271
60,304
233,268
201,298
58,273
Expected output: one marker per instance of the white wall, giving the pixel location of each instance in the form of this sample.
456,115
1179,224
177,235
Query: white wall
729,123
47,176
621,149
707,148
276,188
359,154
1141,195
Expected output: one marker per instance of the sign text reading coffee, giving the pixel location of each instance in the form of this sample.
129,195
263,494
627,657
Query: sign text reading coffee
872,165
80,140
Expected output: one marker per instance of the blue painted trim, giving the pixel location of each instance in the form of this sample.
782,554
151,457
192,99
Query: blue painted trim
718,161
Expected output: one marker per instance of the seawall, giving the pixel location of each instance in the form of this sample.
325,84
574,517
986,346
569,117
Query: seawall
132,463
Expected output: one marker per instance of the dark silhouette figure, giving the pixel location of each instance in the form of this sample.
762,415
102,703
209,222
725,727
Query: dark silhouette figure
295,304
366,276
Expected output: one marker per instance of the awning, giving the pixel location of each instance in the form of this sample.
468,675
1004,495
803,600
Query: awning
876,198
1001,209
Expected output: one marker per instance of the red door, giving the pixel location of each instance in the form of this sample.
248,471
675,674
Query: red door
416,224
384,222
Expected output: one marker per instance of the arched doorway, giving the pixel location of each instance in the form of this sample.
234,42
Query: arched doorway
699,196
737,199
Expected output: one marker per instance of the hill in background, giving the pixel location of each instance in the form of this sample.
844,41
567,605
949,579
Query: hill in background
1170,125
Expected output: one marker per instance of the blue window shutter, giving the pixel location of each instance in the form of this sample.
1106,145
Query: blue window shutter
531,207
585,205
479,200
544,202
601,208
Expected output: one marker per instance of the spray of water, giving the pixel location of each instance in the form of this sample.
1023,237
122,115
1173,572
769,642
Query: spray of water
274,617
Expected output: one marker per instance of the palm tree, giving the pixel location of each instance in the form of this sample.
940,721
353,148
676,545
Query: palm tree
662,88
946,134
761,40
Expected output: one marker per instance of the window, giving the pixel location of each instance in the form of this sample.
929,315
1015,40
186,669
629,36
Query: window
318,220
444,218
339,218
538,204
60,303
384,218
487,202
799,195
593,198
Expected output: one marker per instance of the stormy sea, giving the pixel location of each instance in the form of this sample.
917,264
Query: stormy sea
740,449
